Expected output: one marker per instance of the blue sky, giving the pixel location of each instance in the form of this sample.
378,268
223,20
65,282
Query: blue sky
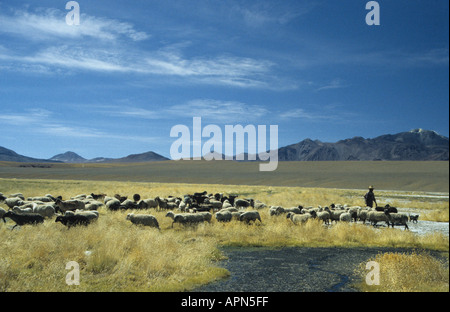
117,83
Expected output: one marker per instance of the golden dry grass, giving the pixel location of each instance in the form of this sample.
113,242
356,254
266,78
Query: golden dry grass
115,255
438,215
401,272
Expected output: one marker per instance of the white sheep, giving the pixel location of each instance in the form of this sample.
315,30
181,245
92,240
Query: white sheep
182,205
353,211
377,216
44,199
72,204
259,205
189,218
20,195
334,214
236,215
107,199
345,217
22,210
226,204
249,216
230,209
207,216
92,215
14,201
113,204
363,214
47,211
242,203
223,216
324,216
397,219
215,204
94,205
143,219
128,204
300,218
276,210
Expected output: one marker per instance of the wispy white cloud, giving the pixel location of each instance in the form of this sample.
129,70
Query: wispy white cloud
334,84
102,49
50,23
220,111
263,13
213,110
431,57
219,66
334,113
46,122
300,113
32,116
78,59
220,70
128,112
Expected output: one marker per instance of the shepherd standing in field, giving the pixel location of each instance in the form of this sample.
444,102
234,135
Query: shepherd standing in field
370,198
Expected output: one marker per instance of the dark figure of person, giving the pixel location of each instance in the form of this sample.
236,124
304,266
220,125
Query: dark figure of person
370,198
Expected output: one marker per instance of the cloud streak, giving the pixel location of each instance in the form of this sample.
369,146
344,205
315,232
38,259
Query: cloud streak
334,84
45,122
50,23
219,111
220,70
110,46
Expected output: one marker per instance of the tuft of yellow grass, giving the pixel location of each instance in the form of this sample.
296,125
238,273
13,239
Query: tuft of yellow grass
400,272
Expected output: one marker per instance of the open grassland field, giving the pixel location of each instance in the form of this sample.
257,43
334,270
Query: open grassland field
115,255
429,176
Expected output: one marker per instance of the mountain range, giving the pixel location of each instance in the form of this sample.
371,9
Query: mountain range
71,157
417,144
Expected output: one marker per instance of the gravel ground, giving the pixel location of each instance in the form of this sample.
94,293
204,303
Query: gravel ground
293,269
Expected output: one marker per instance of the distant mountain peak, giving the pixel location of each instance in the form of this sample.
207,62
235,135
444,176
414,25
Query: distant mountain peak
69,157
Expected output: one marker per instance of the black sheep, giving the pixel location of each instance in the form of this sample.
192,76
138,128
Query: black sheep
136,197
23,218
388,207
73,220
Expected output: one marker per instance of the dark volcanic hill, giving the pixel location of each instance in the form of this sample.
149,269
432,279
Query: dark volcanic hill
416,144
10,155
69,157
148,156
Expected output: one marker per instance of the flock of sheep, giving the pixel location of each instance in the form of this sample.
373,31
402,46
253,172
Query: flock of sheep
187,210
